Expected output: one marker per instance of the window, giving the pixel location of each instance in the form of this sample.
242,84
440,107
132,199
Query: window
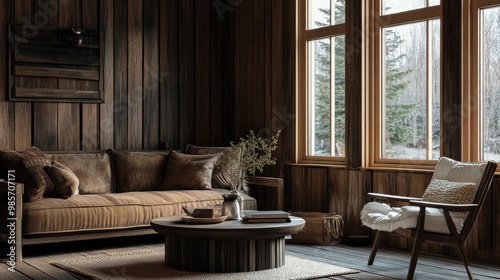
322,78
405,83
486,74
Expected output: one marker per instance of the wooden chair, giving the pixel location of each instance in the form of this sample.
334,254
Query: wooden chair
456,237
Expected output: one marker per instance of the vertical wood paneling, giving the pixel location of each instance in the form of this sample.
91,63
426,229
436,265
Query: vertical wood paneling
7,137
106,110
45,115
347,194
244,68
353,82
451,82
218,105
22,110
120,117
257,95
134,75
286,98
186,72
275,104
68,114
308,189
151,104
202,112
169,73
90,112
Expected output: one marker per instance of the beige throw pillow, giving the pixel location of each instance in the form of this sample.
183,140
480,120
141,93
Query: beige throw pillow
444,191
220,177
189,172
65,181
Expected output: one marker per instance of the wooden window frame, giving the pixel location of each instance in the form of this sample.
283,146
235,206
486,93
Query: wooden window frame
304,36
471,138
376,22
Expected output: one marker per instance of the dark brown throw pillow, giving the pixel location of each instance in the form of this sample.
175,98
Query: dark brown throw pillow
189,172
36,182
11,160
220,178
64,180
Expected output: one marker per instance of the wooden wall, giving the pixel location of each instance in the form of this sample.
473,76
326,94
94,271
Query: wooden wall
175,72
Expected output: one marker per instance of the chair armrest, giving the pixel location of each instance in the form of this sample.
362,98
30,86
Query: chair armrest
268,191
384,197
445,206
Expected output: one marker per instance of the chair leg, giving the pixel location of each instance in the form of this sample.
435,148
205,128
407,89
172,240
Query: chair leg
414,256
463,253
376,243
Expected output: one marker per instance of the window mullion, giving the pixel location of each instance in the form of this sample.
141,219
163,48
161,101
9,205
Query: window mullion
332,96
429,88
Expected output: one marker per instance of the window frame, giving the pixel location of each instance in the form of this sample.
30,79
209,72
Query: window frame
472,120
376,23
306,35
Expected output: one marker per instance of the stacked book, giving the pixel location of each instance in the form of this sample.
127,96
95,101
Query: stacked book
269,216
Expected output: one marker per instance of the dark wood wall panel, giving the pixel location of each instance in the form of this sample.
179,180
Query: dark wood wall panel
135,68
90,112
106,109
169,74
120,116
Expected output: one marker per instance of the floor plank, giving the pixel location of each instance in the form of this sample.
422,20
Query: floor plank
389,263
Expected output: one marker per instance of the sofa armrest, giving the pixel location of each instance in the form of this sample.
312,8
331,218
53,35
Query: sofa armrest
11,203
268,191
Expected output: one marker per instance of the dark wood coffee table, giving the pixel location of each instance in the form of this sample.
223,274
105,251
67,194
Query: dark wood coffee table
230,246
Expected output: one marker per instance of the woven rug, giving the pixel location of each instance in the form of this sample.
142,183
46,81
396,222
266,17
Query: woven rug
148,265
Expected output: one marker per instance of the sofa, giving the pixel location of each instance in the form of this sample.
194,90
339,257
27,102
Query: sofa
109,193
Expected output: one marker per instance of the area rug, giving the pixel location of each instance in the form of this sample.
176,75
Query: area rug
148,265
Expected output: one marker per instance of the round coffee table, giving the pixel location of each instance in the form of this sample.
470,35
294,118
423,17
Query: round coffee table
230,246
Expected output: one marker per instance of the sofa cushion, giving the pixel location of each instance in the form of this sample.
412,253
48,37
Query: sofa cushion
64,180
139,171
189,172
94,212
93,169
220,177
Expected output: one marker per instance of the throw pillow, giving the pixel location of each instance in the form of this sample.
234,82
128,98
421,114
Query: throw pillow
64,180
445,191
36,182
139,171
11,160
220,176
189,172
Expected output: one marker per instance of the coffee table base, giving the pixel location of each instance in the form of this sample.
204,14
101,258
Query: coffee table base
203,255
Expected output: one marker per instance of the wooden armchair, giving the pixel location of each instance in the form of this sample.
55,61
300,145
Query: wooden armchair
424,232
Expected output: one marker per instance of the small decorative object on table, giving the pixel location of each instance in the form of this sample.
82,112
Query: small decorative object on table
231,206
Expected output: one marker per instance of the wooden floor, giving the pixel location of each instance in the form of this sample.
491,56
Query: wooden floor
389,264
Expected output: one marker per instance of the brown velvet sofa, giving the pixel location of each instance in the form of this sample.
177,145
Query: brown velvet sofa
118,196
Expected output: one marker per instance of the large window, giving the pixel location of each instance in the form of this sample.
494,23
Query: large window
405,83
408,121
486,68
322,78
